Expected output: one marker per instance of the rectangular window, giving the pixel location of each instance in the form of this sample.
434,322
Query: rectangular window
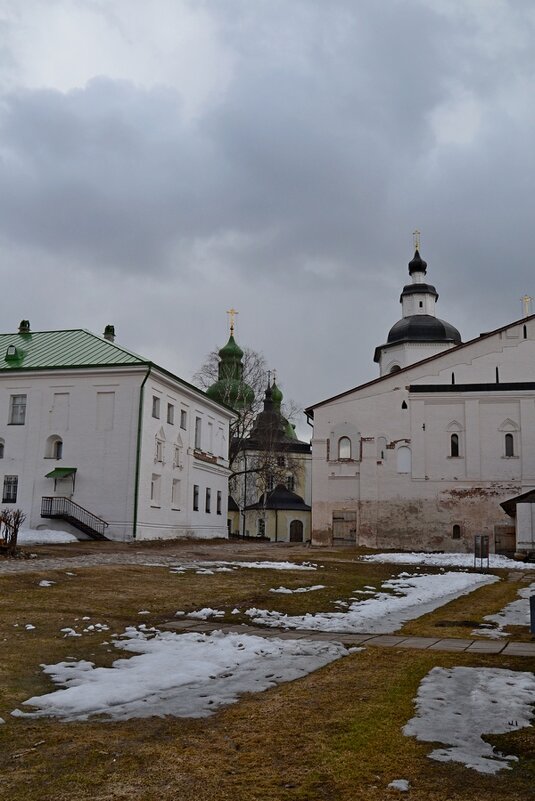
219,496
9,494
208,500
159,451
176,460
198,433
175,494
210,437
155,490
17,410
156,407
170,414
105,410
195,497
183,419
290,483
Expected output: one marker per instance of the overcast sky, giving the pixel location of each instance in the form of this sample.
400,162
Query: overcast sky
163,161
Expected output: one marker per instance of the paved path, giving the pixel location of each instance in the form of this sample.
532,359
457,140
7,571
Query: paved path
506,648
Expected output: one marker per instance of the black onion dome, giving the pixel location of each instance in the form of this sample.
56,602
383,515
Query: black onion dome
423,328
417,264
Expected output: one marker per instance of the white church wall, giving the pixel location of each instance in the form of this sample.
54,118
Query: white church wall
419,509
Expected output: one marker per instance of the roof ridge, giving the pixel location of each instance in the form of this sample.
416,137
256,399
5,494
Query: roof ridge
485,335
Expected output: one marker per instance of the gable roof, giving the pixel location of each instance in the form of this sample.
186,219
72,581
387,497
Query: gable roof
74,349
309,411
62,349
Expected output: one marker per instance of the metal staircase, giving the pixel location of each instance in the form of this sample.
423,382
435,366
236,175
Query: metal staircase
65,509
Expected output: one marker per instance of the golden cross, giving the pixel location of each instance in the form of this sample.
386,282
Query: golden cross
416,239
526,305
232,314
274,376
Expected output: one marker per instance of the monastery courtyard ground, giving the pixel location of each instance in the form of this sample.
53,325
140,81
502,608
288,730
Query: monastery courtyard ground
332,698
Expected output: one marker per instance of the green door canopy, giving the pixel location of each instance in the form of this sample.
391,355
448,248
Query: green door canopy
61,472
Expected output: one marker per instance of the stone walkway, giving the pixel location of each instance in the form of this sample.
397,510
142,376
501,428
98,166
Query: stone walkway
506,648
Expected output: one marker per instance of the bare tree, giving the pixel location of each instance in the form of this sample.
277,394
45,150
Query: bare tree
10,522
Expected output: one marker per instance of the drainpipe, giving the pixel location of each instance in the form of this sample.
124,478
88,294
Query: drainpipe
138,450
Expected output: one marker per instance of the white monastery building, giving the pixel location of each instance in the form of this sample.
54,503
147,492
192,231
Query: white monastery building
424,455
96,439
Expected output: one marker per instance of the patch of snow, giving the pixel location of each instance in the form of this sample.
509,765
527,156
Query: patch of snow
144,612
286,591
403,785
225,566
515,613
30,536
29,627
204,614
444,560
46,583
455,706
185,675
385,613
70,632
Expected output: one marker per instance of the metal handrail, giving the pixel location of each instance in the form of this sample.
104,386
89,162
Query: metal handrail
51,506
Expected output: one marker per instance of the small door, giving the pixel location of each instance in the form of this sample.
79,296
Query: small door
296,531
504,539
345,526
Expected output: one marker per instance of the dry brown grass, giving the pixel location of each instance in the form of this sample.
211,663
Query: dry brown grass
335,734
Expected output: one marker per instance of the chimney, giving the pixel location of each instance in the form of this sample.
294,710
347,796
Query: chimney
24,327
109,333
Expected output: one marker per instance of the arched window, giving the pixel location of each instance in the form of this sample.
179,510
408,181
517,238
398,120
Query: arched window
456,532
454,445
525,332
509,445
54,447
2,448
395,368
404,459
381,447
344,448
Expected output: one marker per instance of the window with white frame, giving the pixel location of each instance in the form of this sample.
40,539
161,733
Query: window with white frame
290,483
454,445
198,433
9,494
219,502
155,488
183,419
344,448
156,407
17,410
210,437
195,497
509,445
170,414
208,501
159,450
176,457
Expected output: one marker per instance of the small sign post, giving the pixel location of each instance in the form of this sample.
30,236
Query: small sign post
481,550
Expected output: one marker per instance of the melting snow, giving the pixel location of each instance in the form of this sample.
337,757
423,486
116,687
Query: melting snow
205,613
515,613
286,591
445,560
224,567
46,583
185,675
456,706
385,613
30,536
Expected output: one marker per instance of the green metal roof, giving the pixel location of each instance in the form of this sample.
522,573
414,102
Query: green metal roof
61,472
53,349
